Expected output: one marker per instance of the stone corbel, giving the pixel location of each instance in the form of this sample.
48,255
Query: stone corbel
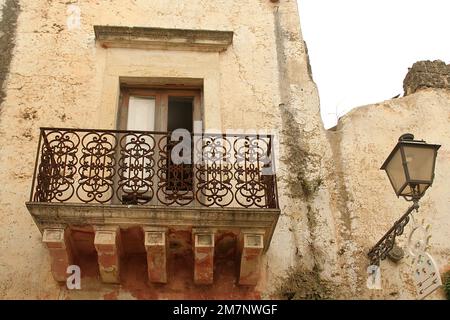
156,247
107,244
61,253
203,239
251,247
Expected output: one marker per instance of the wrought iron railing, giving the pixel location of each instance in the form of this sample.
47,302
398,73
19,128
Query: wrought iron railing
136,167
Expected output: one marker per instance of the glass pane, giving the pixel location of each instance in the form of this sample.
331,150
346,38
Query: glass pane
395,171
408,192
423,188
420,162
138,148
141,113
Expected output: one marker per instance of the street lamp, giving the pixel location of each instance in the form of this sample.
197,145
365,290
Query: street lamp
410,168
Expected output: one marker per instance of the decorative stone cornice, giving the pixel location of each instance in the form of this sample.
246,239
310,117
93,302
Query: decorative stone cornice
163,39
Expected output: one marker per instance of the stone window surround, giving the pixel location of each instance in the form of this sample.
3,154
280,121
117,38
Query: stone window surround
163,38
158,56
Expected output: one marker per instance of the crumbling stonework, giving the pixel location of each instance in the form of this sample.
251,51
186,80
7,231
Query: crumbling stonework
427,74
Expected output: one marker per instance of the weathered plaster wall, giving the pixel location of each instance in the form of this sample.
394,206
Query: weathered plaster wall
307,223
153,64
60,77
362,141
2,2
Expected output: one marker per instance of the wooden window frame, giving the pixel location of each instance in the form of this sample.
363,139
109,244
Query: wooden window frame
161,115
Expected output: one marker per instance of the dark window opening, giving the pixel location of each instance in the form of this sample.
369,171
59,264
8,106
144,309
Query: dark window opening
180,116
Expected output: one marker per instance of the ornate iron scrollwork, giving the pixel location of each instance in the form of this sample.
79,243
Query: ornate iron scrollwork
381,249
214,171
131,167
175,181
57,169
97,167
136,168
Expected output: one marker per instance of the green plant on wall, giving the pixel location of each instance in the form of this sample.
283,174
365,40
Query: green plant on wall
303,284
446,279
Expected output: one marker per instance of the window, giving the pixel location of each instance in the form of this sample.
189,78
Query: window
148,162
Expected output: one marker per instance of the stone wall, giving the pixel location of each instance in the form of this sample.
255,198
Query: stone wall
2,2
363,139
427,74
334,201
59,76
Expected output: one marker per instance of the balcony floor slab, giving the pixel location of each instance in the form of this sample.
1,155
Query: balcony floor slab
48,215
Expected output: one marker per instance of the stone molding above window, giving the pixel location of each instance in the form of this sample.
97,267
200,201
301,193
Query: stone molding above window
163,39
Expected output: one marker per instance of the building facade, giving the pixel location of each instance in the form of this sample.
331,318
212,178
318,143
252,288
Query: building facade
259,201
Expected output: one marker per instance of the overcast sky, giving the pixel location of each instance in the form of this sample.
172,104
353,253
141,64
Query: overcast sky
360,50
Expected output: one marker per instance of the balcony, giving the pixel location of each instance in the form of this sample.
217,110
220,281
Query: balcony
110,181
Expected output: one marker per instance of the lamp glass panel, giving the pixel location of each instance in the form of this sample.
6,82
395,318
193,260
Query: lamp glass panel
395,171
408,191
423,188
420,162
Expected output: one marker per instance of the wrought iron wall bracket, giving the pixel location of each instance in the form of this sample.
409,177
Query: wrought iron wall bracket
381,249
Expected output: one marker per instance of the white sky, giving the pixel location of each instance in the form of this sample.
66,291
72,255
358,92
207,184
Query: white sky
360,50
